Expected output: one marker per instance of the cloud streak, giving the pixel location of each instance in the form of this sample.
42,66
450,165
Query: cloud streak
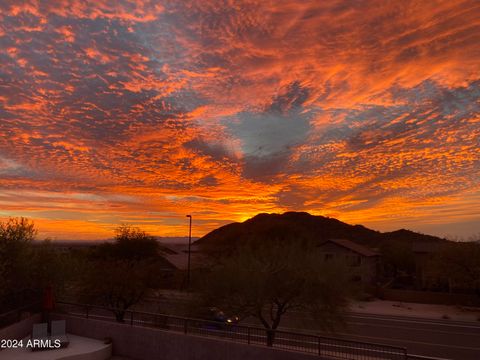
145,111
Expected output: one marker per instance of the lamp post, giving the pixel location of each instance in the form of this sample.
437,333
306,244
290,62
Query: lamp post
189,250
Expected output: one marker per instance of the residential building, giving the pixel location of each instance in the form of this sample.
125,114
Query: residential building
363,260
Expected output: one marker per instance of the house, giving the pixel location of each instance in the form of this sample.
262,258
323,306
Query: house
363,260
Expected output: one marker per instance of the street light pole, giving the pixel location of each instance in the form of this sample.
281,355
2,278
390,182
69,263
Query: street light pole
189,250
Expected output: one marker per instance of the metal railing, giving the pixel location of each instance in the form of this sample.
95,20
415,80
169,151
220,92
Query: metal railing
329,347
19,313
421,357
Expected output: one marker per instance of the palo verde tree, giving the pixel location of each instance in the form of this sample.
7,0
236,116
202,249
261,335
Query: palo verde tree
271,279
121,272
16,237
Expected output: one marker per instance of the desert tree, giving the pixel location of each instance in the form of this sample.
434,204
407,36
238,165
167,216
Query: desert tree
119,274
51,267
268,280
398,259
458,266
16,237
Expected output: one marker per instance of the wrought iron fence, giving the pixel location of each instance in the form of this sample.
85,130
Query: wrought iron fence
331,347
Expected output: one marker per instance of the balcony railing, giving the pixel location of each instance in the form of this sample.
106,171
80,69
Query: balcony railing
19,313
327,347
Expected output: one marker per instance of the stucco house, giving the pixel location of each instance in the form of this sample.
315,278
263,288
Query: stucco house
363,260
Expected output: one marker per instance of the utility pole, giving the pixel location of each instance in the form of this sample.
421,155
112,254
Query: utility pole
189,250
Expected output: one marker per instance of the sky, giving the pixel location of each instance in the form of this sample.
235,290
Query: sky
141,112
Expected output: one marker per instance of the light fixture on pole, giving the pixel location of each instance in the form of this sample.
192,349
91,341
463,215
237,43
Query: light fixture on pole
189,249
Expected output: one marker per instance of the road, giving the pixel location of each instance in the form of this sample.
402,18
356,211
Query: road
446,339
439,338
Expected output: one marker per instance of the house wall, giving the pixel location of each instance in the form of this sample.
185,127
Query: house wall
367,269
370,269
155,344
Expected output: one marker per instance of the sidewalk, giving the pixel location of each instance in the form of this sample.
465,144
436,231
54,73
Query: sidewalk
426,311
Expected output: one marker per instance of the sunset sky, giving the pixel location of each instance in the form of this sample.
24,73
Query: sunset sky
141,112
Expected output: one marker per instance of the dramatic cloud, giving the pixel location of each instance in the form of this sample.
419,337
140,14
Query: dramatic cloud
144,111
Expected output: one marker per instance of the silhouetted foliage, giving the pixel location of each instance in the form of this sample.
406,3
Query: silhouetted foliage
457,267
131,244
398,259
51,267
16,236
120,273
27,267
267,280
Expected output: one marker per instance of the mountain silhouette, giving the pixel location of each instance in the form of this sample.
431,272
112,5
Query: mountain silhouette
301,226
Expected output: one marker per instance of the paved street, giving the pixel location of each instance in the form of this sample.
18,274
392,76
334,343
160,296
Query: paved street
445,339
439,338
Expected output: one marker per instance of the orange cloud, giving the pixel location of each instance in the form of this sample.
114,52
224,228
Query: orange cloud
141,112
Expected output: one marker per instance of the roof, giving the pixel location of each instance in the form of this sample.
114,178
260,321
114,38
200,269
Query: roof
353,246
177,255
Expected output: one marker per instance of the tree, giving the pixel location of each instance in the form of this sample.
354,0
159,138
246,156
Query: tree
269,280
131,243
50,267
123,271
458,266
16,236
398,259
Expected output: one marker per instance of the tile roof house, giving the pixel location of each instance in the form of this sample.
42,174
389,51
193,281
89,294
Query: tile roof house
363,260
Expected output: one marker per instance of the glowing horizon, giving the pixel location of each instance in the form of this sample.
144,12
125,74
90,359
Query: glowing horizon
146,111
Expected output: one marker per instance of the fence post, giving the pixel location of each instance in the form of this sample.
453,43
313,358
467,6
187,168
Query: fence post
86,312
248,335
185,326
131,318
319,347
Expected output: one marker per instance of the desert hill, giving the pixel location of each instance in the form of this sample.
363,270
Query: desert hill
302,226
